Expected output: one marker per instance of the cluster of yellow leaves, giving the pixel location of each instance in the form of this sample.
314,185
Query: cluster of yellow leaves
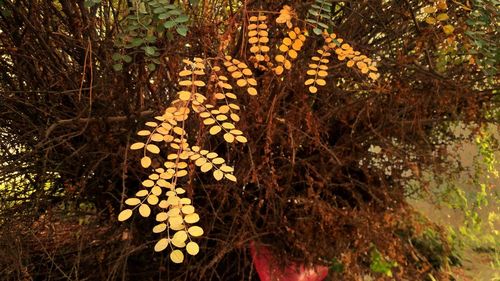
318,70
436,14
258,37
177,215
344,51
286,15
289,48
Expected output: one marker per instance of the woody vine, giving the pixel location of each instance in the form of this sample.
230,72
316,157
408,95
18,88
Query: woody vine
210,89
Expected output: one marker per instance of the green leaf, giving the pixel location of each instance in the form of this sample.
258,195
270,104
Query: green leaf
116,57
169,24
163,16
118,67
151,67
182,30
136,42
150,51
182,19
127,58
317,31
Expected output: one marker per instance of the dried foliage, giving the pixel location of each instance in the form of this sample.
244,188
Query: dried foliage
318,177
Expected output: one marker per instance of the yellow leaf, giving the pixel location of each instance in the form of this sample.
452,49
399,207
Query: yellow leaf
430,9
309,82
252,82
161,245
215,130
177,256
159,228
200,161
287,41
321,82
179,238
192,248
209,121
254,49
144,210
283,48
185,73
185,83
230,177
188,209
311,72
156,137
125,215
195,231
313,90
206,167
151,124
192,218
247,72
145,162
143,133
152,199
278,70
199,83
132,201
430,20
241,82
253,40
228,137
226,168
279,58
141,193
322,73
228,125
153,148
184,95
218,175
241,139
297,45
137,145
292,53
148,183
442,17
448,29
252,91
287,64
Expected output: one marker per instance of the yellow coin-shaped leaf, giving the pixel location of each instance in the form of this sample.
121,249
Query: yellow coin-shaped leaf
207,166
215,130
235,117
309,82
141,193
199,83
442,17
192,218
448,29
321,82
177,256
241,139
230,177
283,48
159,228
279,70
287,64
144,210
430,20
185,83
292,53
192,248
228,137
132,201
241,82
185,73
188,209
179,238
322,73
287,41
184,95
157,137
125,215
143,133
247,72
313,90
195,231
254,49
252,91
153,199
161,245
153,148
253,40
430,9
218,175
145,162
279,58
137,145
311,72
163,216
350,63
